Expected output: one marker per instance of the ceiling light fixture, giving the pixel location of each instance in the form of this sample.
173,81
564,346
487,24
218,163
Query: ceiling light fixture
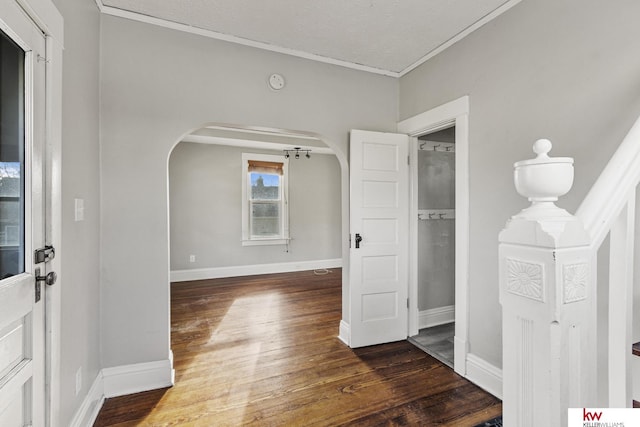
296,153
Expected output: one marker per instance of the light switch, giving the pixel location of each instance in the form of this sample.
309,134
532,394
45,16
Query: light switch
79,209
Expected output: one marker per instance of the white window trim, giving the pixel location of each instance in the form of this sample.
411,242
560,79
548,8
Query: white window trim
262,241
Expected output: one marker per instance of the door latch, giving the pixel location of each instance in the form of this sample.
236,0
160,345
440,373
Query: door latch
49,279
45,254
358,240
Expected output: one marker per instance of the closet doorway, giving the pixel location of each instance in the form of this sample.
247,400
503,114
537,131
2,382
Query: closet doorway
421,128
435,226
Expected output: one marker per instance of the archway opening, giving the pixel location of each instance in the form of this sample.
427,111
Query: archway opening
205,203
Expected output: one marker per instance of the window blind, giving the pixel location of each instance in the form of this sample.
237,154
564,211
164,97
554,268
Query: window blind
265,167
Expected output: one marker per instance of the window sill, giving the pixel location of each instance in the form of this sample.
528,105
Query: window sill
265,242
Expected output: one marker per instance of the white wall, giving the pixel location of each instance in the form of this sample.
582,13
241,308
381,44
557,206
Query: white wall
80,322
561,69
205,183
158,85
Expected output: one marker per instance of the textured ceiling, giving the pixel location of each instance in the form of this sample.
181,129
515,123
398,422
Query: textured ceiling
389,35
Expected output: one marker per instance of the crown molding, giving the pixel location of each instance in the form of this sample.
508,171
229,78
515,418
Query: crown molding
112,11
108,10
462,34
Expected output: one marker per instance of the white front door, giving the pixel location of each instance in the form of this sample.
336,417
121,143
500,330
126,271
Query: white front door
379,251
22,130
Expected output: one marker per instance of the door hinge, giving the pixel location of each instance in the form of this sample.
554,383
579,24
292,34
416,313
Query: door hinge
409,160
45,254
407,302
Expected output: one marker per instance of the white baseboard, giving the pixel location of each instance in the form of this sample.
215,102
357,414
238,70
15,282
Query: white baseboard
121,380
344,333
484,375
436,316
88,411
128,379
252,270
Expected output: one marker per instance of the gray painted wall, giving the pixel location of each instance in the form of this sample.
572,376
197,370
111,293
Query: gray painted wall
80,282
205,189
158,85
559,69
566,70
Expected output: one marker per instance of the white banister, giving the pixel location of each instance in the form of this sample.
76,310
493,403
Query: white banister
548,289
609,208
609,194
621,306
549,357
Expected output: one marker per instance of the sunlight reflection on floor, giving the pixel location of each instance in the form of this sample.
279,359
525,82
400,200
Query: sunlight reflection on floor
240,336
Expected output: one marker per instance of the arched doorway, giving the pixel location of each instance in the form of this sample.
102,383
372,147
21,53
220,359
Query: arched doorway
211,155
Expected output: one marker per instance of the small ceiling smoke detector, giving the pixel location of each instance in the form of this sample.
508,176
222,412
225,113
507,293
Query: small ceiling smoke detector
276,81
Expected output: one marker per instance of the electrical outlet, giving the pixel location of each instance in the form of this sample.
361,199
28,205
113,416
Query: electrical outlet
192,258
78,380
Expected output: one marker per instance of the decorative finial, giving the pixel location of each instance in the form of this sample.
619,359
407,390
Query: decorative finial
542,180
542,147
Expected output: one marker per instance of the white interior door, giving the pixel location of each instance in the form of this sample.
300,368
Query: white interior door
22,116
379,251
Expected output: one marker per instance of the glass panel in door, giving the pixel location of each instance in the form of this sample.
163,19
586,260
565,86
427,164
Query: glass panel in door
12,207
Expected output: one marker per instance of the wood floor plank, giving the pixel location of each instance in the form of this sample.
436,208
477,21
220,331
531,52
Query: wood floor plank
263,351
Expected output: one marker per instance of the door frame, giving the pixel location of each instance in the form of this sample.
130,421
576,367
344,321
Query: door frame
47,17
454,113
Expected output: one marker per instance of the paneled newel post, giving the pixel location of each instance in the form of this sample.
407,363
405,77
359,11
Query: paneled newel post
545,293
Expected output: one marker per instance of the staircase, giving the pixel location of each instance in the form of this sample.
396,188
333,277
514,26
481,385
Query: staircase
555,356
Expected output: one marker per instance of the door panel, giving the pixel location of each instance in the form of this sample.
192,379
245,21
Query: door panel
379,157
377,270
22,114
379,214
382,306
379,194
380,231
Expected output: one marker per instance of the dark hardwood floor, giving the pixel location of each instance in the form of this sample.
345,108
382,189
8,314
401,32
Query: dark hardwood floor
262,350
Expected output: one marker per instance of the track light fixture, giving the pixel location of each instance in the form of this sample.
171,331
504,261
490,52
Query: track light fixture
296,153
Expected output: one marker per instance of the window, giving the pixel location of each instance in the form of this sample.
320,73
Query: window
264,200
13,107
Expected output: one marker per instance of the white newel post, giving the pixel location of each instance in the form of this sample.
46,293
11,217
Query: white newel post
549,361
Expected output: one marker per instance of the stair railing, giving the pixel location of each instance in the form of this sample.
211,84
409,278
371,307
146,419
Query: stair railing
548,288
609,209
